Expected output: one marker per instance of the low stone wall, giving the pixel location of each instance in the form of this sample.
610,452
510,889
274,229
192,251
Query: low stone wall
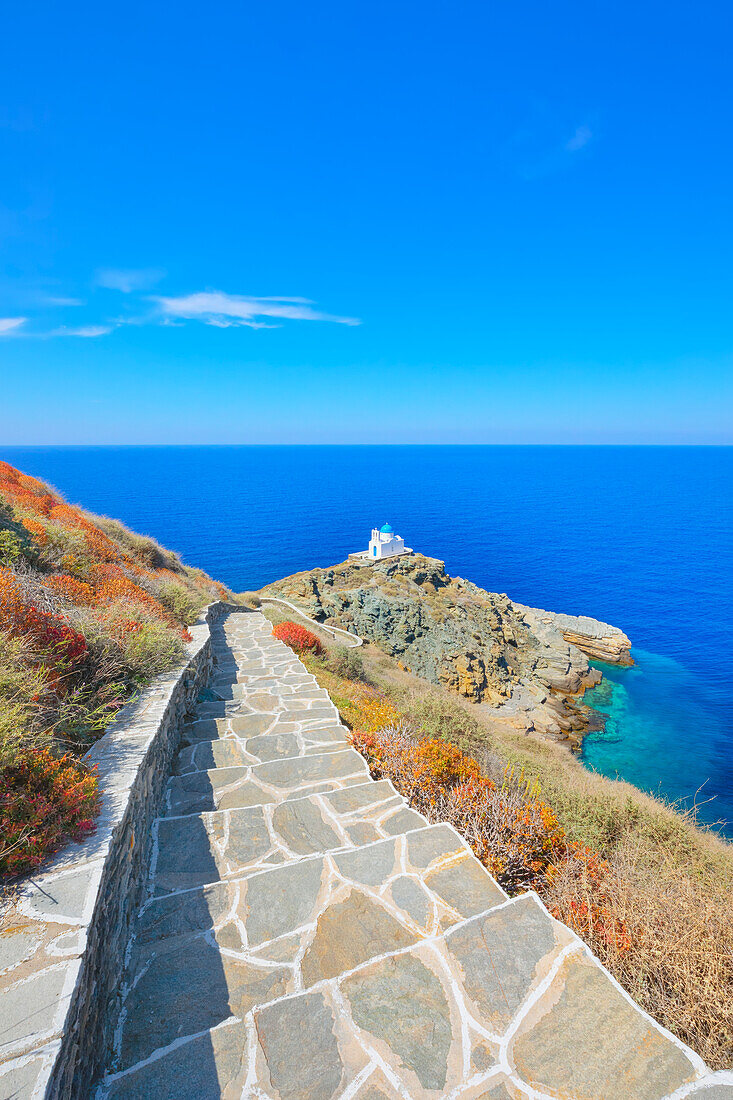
63,954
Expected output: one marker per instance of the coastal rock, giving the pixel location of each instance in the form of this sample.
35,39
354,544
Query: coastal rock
526,665
599,641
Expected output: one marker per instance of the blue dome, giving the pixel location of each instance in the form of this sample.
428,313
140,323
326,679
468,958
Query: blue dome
386,530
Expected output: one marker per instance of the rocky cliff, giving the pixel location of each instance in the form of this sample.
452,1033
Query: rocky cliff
528,666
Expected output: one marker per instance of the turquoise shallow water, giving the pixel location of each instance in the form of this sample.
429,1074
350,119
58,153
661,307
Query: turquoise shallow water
641,537
659,716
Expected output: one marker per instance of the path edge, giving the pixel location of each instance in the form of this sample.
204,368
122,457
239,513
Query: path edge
134,759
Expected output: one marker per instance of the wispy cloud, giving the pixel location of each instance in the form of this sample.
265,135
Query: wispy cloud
548,142
86,331
580,138
213,307
128,280
136,307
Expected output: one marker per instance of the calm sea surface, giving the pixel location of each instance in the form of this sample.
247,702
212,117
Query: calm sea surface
639,537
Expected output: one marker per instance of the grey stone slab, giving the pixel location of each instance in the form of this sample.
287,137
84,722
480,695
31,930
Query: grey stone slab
503,956
301,1051
190,989
64,897
30,1010
24,1078
16,946
207,729
584,1039
435,843
369,866
401,1002
348,934
212,1066
277,902
410,896
303,827
356,798
202,790
267,905
362,832
209,755
226,788
292,774
299,712
403,821
377,1087
191,851
326,734
466,887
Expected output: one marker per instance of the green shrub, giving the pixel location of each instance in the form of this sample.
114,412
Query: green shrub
83,714
437,715
11,547
152,649
22,684
183,605
65,550
348,663
15,542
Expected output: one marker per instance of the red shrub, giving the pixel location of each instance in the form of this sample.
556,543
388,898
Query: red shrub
43,800
57,642
298,638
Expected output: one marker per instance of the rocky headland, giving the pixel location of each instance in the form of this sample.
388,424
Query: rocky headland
527,668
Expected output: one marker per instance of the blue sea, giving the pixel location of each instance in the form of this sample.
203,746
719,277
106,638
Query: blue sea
637,536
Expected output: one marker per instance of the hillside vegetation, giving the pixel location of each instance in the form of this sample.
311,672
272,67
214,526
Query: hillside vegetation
640,883
89,613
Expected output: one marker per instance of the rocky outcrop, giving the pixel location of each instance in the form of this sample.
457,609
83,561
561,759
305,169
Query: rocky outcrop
528,666
599,641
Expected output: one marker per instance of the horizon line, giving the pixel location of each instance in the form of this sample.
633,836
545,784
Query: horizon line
91,446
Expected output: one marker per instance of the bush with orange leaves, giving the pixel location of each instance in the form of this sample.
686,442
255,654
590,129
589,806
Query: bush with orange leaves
89,613
298,638
511,830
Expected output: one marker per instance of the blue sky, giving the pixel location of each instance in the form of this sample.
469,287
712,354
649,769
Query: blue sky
366,223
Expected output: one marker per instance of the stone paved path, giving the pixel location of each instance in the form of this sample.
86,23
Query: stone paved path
307,936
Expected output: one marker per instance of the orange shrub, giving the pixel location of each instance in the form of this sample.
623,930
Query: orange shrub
71,589
298,638
36,529
514,833
43,800
371,710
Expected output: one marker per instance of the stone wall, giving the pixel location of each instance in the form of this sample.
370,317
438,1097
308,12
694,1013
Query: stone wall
72,923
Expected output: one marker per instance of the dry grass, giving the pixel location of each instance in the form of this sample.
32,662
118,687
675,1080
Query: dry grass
671,882
679,965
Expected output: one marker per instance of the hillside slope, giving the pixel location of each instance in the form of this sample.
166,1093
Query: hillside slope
89,613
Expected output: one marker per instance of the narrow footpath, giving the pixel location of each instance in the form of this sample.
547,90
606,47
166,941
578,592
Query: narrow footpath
307,936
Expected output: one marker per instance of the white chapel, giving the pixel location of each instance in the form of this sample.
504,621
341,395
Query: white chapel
384,543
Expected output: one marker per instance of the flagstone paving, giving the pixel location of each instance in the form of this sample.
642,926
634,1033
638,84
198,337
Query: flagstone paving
308,936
